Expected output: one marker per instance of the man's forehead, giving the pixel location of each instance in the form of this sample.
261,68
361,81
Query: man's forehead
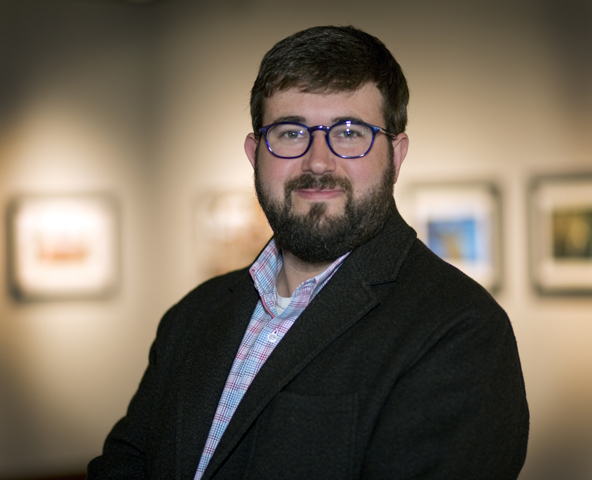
366,101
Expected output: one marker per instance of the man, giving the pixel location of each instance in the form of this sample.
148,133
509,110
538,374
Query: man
347,350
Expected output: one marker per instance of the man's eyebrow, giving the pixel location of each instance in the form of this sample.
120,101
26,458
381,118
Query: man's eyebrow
347,119
290,118
299,119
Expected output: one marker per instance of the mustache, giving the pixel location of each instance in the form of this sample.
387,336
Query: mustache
322,182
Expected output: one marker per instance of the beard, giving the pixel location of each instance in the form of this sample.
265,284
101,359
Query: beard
316,237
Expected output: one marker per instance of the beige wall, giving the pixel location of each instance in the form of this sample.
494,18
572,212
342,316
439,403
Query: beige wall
150,103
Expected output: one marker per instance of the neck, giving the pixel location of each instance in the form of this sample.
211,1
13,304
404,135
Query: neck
296,271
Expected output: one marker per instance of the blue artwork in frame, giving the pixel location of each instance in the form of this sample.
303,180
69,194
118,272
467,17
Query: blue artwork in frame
456,238
460,222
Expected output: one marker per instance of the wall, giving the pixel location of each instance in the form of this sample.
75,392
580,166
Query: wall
149,102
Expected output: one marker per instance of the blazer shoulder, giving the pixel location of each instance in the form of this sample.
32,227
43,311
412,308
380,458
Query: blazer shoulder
210,290
433,285
200,301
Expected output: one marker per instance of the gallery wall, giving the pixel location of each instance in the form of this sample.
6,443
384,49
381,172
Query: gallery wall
148,102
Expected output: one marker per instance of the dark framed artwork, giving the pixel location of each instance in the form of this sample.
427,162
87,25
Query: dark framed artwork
560,239
460,222
63,246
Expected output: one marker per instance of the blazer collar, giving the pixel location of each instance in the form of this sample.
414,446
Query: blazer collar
380,259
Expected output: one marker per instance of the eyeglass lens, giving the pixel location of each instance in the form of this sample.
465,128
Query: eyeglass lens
346,139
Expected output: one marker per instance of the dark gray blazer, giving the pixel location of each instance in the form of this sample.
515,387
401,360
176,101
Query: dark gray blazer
400,368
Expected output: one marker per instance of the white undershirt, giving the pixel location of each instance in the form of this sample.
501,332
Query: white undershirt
281,303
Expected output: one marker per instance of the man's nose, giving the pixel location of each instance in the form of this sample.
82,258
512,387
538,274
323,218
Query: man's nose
319,159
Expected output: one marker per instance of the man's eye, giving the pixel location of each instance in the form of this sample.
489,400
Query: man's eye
349,133
292,134
289,134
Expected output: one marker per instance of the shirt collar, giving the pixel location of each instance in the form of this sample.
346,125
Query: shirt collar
268,265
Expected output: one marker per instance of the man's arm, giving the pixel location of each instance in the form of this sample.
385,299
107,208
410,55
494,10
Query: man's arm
460,410
124,453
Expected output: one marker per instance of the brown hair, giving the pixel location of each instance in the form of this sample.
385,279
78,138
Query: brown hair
330,59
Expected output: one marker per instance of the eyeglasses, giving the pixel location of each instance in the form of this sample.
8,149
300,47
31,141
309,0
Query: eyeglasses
348,139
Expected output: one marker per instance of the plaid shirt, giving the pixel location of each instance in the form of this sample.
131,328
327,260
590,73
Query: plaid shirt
266,329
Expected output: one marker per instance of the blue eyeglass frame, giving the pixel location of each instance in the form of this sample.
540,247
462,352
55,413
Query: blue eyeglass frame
325,130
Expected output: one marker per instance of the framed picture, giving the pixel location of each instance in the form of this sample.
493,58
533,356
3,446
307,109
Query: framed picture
460,222
62,246
560,241
231,230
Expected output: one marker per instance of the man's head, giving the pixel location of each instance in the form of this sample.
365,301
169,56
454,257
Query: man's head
331,59
339,88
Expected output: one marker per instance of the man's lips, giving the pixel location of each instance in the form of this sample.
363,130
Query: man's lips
318,193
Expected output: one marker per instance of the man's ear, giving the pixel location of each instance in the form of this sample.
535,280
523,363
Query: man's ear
251,148
400,146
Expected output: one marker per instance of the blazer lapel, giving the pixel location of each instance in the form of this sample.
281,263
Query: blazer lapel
205,372
329,314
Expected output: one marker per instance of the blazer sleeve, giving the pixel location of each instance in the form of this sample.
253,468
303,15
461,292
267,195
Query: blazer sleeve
459,411
125,449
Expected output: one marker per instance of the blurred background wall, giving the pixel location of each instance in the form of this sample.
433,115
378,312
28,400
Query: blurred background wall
148,101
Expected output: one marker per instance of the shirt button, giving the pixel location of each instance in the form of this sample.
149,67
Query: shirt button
272,337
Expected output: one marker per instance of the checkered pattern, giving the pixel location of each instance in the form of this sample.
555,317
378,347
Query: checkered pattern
265,331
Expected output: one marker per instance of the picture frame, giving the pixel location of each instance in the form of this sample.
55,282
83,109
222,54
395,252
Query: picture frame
461,223
560,234
230,230
63,246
